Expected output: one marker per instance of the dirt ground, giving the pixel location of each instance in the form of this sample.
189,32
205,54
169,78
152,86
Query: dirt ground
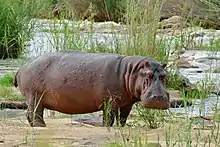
60,132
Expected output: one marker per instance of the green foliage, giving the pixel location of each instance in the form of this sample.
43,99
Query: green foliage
5,91
149,117
6,88
7,80
202,90
14,24
213,45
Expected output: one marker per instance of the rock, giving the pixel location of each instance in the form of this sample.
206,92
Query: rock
204,122
183,62
200,55
186,83
176,101
13,105
174,94
104,27
216,90
173,22
179,52
181,82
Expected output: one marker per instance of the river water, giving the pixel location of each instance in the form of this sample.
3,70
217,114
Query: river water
45,42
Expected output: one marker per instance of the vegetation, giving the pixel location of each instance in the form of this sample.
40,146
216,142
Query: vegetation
7,80
6,88
202,12
15,27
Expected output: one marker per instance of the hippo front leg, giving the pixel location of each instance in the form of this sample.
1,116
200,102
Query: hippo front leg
109,117
124,112
120,114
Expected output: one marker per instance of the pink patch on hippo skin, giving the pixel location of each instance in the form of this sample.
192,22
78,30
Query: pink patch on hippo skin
149,74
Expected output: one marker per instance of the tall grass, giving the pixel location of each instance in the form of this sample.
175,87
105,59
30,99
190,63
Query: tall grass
15,29
6,88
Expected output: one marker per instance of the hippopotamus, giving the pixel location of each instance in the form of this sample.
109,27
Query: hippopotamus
74,82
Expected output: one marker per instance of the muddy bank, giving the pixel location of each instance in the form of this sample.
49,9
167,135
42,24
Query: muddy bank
63,132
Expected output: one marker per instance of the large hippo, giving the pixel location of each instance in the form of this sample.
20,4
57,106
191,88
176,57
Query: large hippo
78,82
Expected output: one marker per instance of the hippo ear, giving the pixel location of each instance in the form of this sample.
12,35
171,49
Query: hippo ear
144,64
164,65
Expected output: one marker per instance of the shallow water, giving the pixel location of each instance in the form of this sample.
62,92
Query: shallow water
43,42
204,60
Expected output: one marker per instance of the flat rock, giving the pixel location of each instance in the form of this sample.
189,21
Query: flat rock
174,94
176,101
183,62
202,122
173,21
13,105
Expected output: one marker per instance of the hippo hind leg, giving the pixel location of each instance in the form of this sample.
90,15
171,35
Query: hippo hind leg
34,112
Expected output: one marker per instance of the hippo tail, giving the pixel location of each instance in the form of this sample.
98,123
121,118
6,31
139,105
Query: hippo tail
15,83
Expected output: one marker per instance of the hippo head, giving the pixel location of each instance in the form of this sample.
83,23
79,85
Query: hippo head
150,85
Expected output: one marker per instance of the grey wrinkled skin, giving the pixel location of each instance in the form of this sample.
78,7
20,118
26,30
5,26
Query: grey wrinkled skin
78,82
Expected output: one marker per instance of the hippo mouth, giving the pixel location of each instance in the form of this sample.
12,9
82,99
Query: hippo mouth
155,103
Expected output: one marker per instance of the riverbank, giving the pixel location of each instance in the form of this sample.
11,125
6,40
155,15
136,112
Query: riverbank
67,132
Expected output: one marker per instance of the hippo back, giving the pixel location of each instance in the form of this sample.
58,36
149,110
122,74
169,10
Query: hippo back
73,74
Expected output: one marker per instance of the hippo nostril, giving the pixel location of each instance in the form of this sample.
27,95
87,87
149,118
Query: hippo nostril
158,97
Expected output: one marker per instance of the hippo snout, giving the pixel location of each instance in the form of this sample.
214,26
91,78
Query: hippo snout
156,102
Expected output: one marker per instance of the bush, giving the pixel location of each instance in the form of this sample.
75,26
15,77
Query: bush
7,80
14,24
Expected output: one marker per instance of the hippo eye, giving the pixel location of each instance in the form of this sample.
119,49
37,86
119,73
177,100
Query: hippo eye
162,77
149,75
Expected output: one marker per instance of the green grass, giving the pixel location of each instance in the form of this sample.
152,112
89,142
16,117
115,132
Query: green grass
7,80
6,88
214,45
15,29
8,93
5,91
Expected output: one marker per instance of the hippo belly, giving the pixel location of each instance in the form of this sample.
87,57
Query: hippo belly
70,103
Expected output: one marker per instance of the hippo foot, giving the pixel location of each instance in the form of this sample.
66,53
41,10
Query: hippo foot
109,123
36,121
121,117
39,124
